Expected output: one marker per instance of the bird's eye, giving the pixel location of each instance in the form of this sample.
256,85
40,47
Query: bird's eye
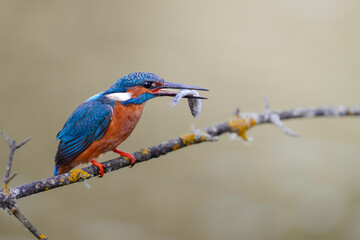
147,84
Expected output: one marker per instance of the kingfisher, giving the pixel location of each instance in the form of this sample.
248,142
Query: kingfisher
106,119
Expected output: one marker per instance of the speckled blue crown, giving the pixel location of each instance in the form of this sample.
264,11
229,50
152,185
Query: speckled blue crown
132,79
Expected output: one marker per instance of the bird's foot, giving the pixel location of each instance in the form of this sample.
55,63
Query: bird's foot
99,166
125,154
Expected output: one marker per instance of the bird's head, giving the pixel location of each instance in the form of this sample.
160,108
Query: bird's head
139,87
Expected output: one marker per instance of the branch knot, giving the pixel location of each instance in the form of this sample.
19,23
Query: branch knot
274,118
7,199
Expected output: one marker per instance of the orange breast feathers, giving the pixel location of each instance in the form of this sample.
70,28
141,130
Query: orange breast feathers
123,122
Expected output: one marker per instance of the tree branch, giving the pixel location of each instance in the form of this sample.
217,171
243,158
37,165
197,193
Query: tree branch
238,124
8,200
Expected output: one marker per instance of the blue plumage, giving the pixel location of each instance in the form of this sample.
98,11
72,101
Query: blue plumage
131,80
86,124
56,170
139,100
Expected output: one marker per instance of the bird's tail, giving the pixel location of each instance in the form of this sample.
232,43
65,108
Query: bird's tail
56,170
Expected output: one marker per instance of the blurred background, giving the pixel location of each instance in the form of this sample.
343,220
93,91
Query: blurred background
298,53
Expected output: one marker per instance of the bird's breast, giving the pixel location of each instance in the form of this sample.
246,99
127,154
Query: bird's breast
123,122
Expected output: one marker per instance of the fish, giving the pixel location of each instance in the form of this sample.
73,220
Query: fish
194,103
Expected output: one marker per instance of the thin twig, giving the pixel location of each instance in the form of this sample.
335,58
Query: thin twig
16,212
13,147
239,124
9,200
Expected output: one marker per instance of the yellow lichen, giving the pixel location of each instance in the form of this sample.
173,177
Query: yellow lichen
6,191
77,174
188,139
47,188
145,151
176,147
239,125
42,236
252,122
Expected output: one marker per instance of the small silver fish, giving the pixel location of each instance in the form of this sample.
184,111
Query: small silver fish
194,104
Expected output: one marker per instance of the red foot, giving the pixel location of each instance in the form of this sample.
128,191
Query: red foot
99,166
125,154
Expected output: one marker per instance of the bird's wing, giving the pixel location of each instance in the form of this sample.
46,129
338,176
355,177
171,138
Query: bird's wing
86,124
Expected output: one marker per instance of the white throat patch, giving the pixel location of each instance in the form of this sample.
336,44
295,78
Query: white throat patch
120,97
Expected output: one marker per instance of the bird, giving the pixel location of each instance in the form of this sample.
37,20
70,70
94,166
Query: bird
105,120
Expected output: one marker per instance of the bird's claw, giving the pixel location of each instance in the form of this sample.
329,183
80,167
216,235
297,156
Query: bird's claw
129,156
99,166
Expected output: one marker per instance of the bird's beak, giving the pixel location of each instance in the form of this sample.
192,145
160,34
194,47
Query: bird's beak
158,91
